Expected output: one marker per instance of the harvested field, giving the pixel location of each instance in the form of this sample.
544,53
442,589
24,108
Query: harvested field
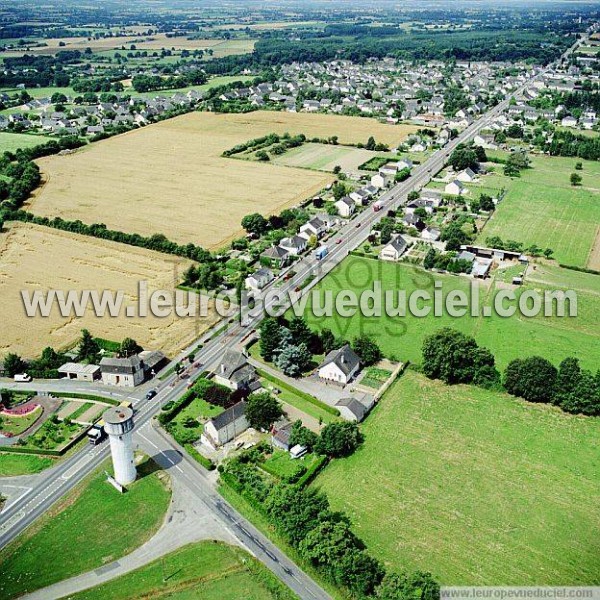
39,258
170,177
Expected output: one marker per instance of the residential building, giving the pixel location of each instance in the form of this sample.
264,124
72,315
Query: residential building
394,250
126,372
340,365
235,373
227,426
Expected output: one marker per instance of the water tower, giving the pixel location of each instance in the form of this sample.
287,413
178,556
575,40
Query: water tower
118,424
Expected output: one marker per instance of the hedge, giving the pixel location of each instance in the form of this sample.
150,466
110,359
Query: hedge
42,452
290,388
314,470
580,269
205,462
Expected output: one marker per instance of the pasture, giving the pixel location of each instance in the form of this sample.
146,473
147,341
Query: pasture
475,486
10,142
170,178
39,258
542,207
402,337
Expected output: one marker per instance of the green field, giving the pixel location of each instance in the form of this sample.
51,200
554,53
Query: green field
16,425
208,570
542,207
401,338
9,142
198,409
475,486
22,464
92,526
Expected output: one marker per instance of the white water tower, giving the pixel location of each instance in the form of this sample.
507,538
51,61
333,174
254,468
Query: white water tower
118,424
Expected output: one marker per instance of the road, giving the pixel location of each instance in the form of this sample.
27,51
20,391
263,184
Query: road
54,483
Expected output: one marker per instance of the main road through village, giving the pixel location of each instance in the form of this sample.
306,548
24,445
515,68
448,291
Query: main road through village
36,494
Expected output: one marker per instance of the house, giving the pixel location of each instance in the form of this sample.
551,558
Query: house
153,361
235,373
569,122
225,427
351,409
126,372
360,196
314,227
466,176
275,256
295,245
340,365
456,188
280,437
259,279
405,163
394,250
79,372
431,234
345,206
380,181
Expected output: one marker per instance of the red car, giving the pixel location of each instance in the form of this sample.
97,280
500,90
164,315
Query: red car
338,241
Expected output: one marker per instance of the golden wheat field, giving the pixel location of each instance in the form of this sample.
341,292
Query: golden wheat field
39,258
170,177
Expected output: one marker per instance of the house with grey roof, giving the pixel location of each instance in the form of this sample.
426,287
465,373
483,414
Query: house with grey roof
394,250
340,365
126,372
351,409
235,373
226,426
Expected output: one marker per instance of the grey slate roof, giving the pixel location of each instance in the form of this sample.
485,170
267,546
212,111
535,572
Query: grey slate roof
354,406
344,358
229,416
121,365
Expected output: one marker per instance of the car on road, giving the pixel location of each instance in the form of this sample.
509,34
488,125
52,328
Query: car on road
338,241
22,378
357,225
150,394
297,288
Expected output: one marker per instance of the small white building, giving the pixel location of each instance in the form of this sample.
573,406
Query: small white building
125,372
380,181
466,176
314,227
345,206
456,188
394,250
225,427
295,245
431,234
340,365
259,279
79,372
352,409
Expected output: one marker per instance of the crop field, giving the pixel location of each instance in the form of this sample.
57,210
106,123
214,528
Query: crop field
542,207
33,257
401,338
208,570
475,486
153,42
9,142
324,157
170,178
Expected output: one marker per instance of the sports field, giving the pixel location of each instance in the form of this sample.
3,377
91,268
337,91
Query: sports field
170,178
207,570
475,486
402,337
40,258
542,207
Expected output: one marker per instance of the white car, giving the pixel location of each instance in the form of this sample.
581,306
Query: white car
22,377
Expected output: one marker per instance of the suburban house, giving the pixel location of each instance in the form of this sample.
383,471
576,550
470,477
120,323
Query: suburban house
345,206
431,234
405,163
314,227
259,279
340,365
456,188
466,176
275,256
295,245
127,372
79,372
352,409
380,180
360,196
394,250
153,361
235,373
225,427
280,437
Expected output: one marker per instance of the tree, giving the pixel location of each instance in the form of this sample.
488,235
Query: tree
293,359
463,158
454,357
339,190
337,170
429,260
412,196
262,410
300,331
339,439
129,347
578,166
371,144
367,349
486,202
302,436
360,572
533,379
575,179
88,350
255,223
270,337
14,364
401,586
328,341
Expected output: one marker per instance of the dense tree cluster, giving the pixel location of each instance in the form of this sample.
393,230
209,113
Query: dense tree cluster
150,83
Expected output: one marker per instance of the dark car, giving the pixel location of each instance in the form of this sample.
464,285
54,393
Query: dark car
151,394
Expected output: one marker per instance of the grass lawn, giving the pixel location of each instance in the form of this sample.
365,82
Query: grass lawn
9,142
22,464
92,526
282,465
542,207
16,425
53,435
401,338
207,570
475,486
196,409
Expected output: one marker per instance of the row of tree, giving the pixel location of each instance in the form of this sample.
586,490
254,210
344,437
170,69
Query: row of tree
455,357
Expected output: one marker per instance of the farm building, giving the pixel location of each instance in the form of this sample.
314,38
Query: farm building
79,372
